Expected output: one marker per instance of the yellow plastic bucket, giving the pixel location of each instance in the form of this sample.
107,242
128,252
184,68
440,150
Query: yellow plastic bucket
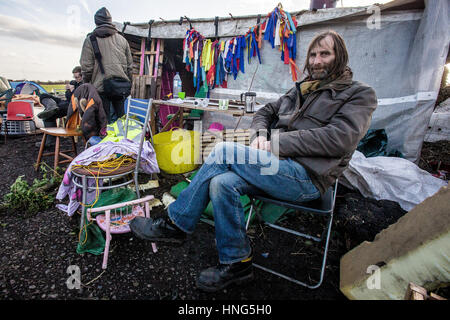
177,151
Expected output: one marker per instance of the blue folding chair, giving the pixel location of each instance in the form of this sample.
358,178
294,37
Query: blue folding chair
323,206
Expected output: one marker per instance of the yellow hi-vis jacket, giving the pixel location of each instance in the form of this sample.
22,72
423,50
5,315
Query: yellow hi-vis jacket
116,131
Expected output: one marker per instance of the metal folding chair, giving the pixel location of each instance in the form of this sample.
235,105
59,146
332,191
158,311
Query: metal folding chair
323,206
134,109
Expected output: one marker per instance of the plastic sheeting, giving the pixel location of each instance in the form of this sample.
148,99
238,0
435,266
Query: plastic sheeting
388,178
403,61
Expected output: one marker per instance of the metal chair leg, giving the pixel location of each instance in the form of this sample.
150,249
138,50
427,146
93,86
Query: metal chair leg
296,233
84,199
136,185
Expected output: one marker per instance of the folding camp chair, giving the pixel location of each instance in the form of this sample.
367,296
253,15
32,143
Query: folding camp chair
116,219
323,206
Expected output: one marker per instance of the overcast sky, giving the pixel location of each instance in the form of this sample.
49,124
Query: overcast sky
41,40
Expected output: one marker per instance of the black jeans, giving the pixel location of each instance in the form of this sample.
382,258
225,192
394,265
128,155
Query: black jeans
117,105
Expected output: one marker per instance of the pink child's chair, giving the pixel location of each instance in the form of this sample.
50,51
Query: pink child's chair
118,221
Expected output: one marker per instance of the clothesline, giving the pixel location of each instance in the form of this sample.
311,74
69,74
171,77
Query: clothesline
212,61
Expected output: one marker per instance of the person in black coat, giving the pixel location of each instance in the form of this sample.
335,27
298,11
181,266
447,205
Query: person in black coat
74,84
56,107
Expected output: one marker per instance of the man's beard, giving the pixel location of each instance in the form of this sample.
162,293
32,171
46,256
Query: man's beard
321,75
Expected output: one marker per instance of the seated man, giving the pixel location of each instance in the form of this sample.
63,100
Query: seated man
317,123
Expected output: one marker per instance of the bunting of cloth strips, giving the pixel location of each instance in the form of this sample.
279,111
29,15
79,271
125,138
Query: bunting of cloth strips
212,61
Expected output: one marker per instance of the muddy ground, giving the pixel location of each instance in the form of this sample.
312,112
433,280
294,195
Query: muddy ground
36,250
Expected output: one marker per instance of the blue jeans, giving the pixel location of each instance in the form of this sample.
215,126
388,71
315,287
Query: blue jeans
232,170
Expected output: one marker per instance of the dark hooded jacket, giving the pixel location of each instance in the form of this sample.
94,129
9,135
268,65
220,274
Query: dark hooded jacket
114,48
86,111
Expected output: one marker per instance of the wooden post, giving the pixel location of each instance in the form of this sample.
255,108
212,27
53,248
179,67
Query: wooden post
152,57
141,68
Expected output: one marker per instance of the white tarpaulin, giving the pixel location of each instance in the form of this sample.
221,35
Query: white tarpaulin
389,178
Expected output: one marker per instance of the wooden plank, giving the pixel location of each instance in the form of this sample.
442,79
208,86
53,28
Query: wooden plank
153,88
139,53
181,117
191,106
155,71
152,58
158,88
171,120
414,292
153,113
435,297
161,58
133,87
141,66
142,88
138,87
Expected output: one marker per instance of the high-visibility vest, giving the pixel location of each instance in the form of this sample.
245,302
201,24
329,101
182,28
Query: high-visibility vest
116,131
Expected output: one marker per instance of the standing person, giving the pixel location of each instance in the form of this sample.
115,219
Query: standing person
318,124
106,59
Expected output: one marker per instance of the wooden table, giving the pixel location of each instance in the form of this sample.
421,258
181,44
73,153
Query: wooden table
231,110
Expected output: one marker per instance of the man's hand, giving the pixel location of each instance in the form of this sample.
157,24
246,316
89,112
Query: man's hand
261,142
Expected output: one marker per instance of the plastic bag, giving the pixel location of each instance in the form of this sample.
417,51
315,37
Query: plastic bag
390,178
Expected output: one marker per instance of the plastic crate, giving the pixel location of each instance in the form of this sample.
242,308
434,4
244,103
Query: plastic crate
17,127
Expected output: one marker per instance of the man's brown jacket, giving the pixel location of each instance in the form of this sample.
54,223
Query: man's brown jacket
324,131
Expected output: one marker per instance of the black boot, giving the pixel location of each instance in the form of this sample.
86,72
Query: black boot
221,276
48,113
161,229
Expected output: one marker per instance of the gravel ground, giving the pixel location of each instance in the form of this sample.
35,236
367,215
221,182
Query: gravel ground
37,250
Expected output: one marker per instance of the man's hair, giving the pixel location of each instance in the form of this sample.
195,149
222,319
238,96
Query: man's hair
340,51
77,69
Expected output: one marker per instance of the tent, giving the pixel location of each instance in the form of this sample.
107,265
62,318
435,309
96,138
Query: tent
399,48
27,87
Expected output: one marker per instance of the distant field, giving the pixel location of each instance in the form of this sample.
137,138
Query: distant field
57,87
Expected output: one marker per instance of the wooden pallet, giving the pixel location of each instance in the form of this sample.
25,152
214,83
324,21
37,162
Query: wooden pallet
211,138
414,292
153,58
143,87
